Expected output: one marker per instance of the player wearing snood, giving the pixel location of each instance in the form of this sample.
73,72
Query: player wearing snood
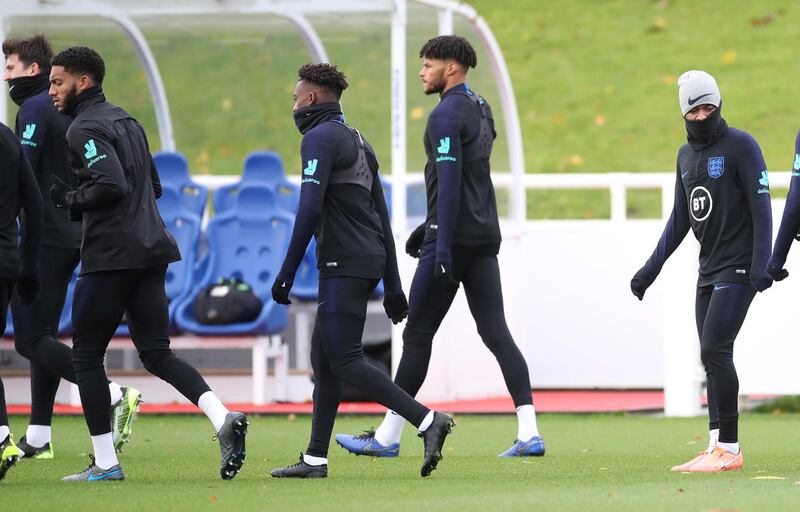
722,194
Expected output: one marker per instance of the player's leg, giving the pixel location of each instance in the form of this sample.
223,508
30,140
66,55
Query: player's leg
98,308
485,297
327,395
341,315
429,301
9,453
726,313
148,320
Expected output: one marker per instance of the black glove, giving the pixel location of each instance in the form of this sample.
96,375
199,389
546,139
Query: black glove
280,290
797,236
760,279
58,192
26,289
396,306
443,272
778,274
641,282
75,215
414,242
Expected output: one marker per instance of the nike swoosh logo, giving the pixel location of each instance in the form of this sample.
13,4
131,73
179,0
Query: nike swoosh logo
443,270
283,285
11,88
720,287
684,174
321,303
693,101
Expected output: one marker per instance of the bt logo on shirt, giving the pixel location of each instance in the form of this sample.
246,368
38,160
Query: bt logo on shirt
700,204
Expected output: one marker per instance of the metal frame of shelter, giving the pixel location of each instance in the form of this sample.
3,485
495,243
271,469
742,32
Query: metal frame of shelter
296,11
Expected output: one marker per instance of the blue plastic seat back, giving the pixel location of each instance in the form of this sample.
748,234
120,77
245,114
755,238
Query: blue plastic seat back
249,241
185,228
173,170
265,166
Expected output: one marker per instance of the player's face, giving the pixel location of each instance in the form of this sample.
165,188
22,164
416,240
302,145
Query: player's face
700,112
433,74
303,96
15,68
63,87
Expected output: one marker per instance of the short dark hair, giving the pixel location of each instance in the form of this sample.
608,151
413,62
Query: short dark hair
325,76
80,59
450,47
33,49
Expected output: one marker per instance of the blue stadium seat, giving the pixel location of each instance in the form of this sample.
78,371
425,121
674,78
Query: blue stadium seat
185,227
173,171
263,168
248,241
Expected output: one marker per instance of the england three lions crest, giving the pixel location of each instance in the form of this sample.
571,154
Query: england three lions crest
716,166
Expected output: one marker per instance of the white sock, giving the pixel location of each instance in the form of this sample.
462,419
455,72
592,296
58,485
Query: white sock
391,429
526,422
213,408
314,461
37,435
116,392
730,447
713,439
426,422
105,456
4,432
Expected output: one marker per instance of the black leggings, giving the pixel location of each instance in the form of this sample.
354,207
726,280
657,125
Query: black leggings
101,298
36,330
720,310
476,267
6,290
337,356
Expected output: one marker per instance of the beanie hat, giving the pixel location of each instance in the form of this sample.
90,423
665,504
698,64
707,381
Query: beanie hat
697,88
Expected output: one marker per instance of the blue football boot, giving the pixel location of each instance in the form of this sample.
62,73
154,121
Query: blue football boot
366,444
533,447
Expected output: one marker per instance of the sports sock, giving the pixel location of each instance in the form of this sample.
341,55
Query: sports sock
213,408
4,432
730,447
426,422
713,439
104,454
526,422
38,435
391,429
314,461
116,392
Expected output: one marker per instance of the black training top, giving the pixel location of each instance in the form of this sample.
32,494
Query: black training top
791,214
117,189
42,130
341,202
722,193
18,190
461,203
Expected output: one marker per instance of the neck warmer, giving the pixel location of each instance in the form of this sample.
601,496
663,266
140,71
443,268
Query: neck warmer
703,134
309,117
83,100
23,87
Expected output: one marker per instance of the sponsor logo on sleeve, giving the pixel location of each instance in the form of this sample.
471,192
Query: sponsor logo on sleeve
27,135
310,170
91,154
444,149
764,182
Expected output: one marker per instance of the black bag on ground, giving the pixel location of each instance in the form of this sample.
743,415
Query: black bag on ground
228,301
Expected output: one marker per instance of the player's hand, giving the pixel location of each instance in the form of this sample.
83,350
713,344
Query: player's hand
26,289
797,236
641,282
414,242
760,279
443,272
58,192
778,274
280,290
396,306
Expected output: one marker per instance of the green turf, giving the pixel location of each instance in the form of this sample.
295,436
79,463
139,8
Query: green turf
596,462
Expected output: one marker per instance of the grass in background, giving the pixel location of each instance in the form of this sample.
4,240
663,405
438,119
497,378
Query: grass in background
594,82
595,462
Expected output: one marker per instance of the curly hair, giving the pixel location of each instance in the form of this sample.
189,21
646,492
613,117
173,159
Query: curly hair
450,47
325,76
80,59
33,49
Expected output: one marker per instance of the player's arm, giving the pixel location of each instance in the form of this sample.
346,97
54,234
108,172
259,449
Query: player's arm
317,158
753,177
672,236
445,132
32,123
790,221
31,203
104,181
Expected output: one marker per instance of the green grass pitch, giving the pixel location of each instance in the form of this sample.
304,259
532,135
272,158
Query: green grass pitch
594,462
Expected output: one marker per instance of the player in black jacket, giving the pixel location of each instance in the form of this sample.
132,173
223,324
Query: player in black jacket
18,191
790,223
458,243
722,194
124,257
42,131
342,204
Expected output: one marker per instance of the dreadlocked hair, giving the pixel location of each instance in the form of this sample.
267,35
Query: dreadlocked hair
450,47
